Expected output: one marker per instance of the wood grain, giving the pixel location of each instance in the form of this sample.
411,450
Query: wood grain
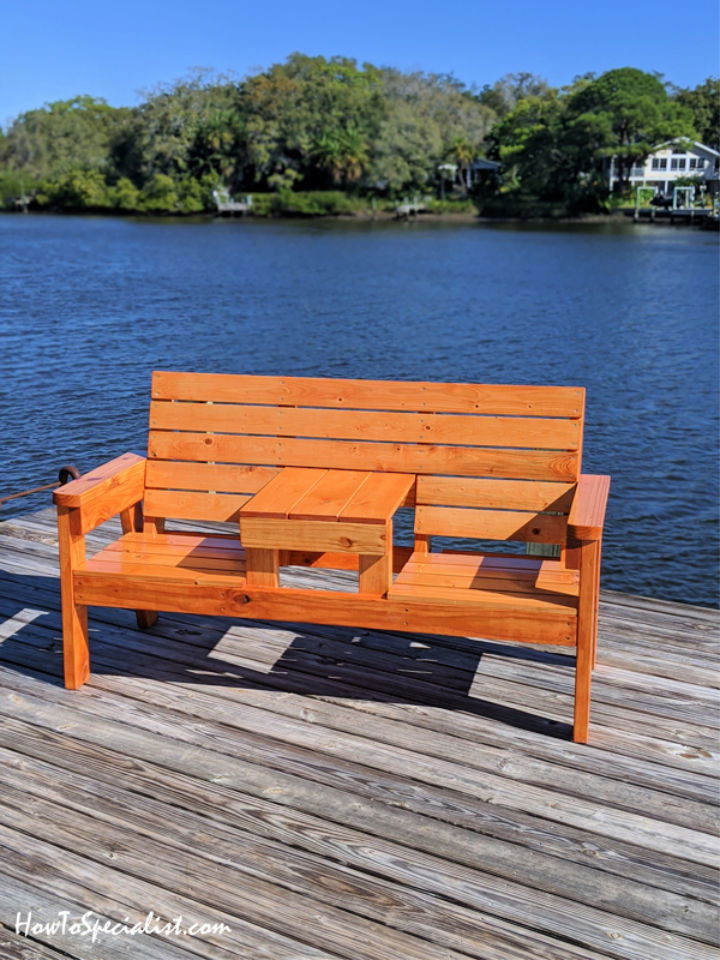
488,399
530,432
350,455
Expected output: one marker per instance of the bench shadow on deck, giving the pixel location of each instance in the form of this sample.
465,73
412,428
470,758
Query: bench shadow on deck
336,793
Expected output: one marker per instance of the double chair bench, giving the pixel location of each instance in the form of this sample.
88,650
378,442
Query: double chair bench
311,471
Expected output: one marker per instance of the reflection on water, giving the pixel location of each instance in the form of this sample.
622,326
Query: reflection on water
91,305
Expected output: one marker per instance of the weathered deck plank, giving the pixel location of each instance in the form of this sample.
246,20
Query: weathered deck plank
336,793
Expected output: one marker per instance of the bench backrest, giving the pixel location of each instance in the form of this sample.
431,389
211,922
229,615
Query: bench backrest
493,461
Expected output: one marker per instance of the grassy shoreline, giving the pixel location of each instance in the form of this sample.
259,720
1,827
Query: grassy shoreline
361,215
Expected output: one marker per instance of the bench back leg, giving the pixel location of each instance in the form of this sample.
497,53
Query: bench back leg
586,637
131,522
76,651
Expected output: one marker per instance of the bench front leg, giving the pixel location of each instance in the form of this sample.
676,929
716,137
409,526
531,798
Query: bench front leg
586,643
76,650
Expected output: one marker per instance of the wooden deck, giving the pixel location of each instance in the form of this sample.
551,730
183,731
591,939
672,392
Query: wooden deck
333,793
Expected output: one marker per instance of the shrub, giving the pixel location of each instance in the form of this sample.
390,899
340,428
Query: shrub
125,195
77,190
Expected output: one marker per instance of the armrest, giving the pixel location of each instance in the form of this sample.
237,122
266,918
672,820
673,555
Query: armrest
105,491
587,512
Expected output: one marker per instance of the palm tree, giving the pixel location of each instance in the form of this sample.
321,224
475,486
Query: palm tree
463,153
343,153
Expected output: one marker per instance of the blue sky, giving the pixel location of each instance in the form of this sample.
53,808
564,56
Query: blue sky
55,49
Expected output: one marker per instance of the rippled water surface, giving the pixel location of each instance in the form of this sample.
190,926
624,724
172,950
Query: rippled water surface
91,306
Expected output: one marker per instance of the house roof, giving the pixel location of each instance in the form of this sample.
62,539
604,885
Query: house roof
482,164
695,143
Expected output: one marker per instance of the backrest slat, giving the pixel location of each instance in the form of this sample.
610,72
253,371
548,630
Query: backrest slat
371,394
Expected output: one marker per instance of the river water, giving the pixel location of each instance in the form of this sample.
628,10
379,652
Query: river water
89,306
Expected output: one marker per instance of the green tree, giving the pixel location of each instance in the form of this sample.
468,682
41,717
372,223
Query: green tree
312,115
629,112
343,154
505,94
62,136
194,126
425,116
703,102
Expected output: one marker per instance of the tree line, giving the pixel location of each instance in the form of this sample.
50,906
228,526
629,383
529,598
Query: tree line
324,135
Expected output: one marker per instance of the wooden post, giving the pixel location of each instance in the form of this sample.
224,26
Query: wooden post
76,651
422,543
262,567
131,521
589,558
375,570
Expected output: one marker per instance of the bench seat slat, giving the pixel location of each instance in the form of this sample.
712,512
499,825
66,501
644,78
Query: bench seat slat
537,401
436,593
506,581
431,578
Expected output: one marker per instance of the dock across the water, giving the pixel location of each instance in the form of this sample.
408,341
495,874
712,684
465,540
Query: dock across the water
324,793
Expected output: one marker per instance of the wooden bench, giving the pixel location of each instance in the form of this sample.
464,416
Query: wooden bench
313,471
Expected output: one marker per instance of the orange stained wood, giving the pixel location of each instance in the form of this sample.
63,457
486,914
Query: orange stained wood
587,514
500,494
277,498
330,495
473,430
127,470
490,524
314,535
76,652
435,578
352,455
220,477
218,596
497,399
313,470
191,505
327,498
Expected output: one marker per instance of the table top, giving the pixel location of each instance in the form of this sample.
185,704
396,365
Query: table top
349,496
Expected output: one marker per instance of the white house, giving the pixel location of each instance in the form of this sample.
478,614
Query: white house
672,160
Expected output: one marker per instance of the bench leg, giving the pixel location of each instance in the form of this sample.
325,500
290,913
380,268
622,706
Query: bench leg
132,522
375,570
586,633
597,603
76,651
374,574
262,567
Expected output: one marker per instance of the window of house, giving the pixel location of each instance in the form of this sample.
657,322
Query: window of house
691,163
681,163
663,163
655,163
674,163
700,163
